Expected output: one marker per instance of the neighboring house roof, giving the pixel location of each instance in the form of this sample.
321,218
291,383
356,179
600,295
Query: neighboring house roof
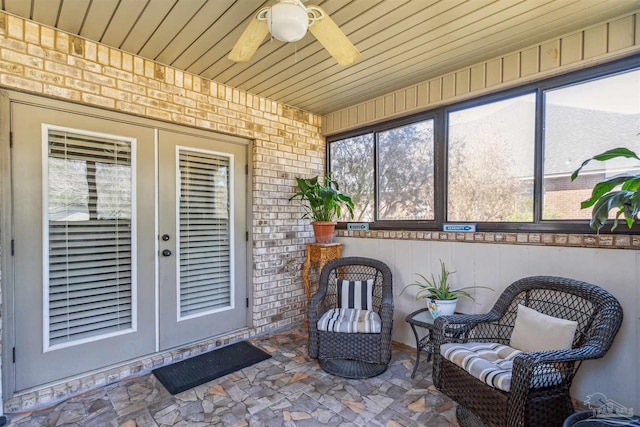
595,131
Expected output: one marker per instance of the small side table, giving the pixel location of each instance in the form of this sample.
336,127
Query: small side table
318,253
423,319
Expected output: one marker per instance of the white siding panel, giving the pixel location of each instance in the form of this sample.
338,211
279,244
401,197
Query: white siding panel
328,122
370,111
529,62
423,94
389,105
494,72
620,361
344,118
400,100
571,49
463,79
448,86
621,34
402,267
353,116
550,55
477,80
435,91
410,100
362,113
497,266
595,41
380,107
511,67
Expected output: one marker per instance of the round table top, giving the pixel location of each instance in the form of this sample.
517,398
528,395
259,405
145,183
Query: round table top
421,318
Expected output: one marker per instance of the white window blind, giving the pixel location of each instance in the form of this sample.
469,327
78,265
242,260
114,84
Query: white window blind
90,280
205,256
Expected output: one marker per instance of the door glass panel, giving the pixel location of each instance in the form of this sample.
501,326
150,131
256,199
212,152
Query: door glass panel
90,279
205,273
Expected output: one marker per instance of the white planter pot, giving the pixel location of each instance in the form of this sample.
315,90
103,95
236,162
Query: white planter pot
440,307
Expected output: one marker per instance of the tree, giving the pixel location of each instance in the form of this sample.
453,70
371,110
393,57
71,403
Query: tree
484,181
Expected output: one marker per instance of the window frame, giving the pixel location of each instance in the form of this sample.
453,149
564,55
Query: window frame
440,116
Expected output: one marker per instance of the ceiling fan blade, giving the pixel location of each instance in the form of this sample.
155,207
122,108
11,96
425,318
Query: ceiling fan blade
249,41
334,40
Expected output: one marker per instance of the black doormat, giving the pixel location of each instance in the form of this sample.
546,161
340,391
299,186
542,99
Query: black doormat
190,373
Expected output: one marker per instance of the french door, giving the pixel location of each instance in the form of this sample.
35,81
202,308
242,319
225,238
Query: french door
128,240
202,238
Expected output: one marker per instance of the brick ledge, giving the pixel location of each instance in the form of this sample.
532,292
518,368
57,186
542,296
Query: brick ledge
608,241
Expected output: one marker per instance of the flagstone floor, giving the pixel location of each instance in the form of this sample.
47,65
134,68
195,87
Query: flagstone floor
290,389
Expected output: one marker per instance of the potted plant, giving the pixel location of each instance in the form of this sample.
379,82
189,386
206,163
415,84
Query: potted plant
605,196
442,298
323,204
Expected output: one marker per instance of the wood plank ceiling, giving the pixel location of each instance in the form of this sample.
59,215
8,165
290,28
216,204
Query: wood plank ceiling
402,41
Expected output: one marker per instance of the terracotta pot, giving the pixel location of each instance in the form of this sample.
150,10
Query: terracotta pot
323,231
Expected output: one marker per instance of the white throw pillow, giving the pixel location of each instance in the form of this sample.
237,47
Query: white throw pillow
535,331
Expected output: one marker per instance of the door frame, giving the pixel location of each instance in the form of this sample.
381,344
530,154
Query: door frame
7,283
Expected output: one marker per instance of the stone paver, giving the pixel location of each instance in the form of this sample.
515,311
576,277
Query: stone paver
288,390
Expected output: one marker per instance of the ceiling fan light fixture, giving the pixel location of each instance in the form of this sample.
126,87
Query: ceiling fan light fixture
287,22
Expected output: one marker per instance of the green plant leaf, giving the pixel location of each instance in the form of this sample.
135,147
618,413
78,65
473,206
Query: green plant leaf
439,288
604,205
607,155
604,187
321,202
632,183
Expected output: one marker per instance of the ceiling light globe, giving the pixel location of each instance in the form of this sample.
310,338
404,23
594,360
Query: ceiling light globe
287,22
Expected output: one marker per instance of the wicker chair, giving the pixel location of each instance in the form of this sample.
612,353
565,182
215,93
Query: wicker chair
352,355
540,381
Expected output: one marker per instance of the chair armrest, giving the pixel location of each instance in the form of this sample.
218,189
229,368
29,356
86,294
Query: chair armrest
386,317
553,368
456,328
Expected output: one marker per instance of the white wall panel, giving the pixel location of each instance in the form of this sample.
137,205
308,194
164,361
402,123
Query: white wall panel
477,77
550,55
621,34
403,255
511,67
595,41
617,375
529,62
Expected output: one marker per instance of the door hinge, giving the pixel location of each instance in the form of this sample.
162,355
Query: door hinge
247,307
246,169
246,236
13,247
11,139
14,355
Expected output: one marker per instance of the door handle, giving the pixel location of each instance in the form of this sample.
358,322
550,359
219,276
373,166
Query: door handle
166,252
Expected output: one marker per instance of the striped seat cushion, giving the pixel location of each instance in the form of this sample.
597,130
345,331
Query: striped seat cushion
350,320
493,363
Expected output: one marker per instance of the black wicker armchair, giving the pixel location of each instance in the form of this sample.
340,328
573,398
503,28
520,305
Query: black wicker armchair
539,380
352,354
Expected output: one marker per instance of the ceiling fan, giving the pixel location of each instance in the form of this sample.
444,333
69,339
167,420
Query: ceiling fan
288,21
